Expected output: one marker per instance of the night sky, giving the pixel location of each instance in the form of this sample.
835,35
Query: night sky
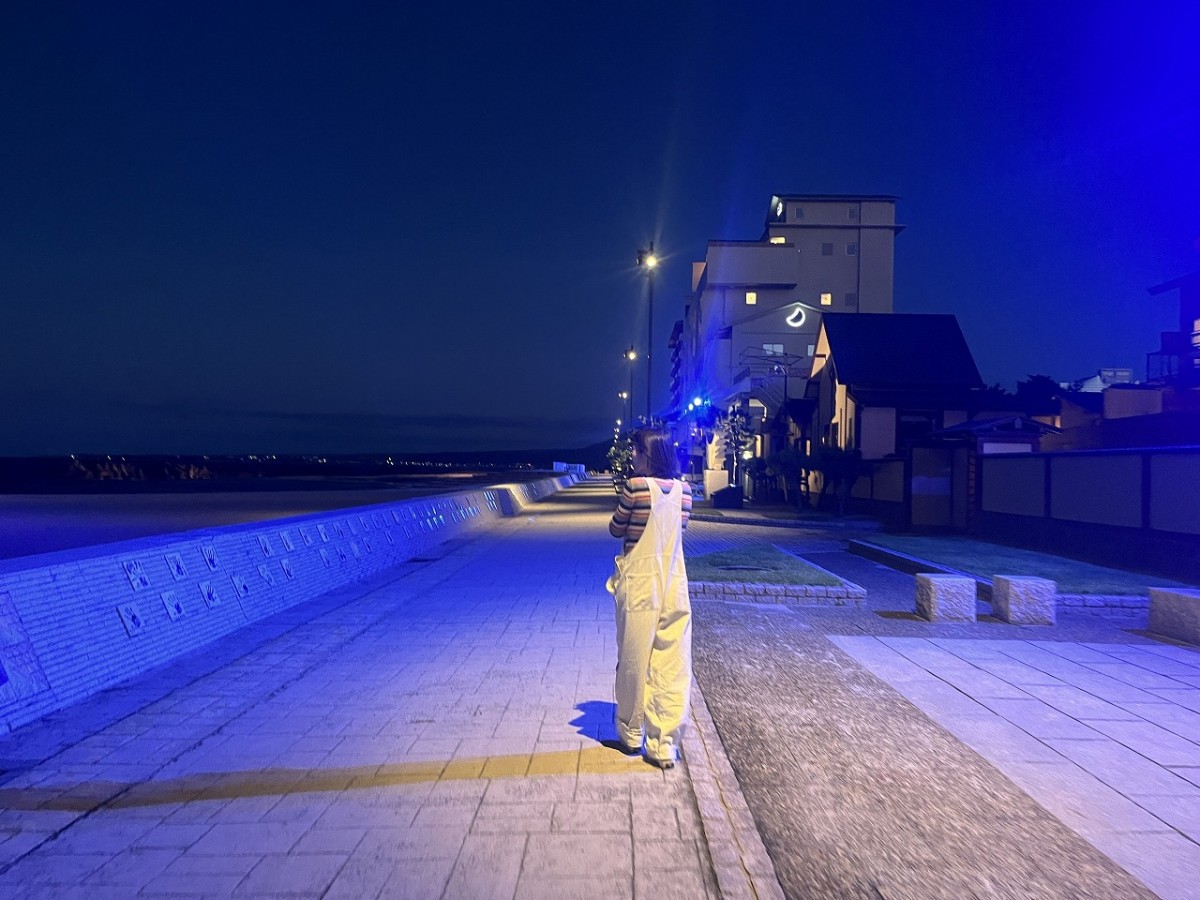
346,227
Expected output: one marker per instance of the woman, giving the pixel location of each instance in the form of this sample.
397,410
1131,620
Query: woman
654,630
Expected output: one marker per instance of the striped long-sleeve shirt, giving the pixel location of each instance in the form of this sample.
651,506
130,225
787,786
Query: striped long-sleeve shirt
633,509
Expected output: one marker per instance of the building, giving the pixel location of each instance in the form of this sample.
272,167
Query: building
1177,362
1162,412
748,337
882,383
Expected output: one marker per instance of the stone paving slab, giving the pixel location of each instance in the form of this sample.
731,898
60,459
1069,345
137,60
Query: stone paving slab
1103,769
433,733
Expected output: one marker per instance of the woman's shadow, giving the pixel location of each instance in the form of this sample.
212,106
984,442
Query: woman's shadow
597,720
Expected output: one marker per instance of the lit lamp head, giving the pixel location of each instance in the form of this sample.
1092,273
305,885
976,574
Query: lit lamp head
646,258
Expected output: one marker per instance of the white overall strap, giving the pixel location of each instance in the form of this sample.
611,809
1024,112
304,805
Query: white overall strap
665,515
670,523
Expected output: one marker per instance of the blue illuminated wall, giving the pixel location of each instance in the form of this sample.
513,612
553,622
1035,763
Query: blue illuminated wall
75,622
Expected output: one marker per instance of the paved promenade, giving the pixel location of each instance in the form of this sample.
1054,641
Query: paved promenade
435,734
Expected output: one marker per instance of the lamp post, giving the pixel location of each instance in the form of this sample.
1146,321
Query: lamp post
648,261
630,355
625,410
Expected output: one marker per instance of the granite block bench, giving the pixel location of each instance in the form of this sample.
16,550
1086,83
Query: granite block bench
1024,600
1175,613
946,598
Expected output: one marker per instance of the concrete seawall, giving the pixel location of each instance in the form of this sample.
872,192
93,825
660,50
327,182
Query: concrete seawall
78,621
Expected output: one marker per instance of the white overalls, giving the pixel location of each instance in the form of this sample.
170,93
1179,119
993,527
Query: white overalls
654,631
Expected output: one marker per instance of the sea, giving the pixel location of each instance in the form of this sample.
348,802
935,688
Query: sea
49,504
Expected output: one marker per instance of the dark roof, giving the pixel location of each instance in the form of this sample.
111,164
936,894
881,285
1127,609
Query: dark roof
912,398
902,350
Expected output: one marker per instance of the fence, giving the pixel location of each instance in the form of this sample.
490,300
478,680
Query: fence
1138,508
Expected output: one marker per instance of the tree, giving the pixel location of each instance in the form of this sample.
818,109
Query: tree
791,468
1038,395
840,469
620,461
738,437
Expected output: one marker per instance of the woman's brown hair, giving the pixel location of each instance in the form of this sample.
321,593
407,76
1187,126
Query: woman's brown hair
654,445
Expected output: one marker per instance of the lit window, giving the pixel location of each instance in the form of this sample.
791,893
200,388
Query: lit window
827,249
778,240
827,299
852,249
773,349
751,298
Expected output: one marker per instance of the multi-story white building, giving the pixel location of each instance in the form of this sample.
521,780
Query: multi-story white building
750,324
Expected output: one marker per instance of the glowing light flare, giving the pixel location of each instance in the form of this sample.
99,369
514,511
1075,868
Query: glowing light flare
797,316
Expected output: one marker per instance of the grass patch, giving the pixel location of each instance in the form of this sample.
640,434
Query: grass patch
759,564
985,560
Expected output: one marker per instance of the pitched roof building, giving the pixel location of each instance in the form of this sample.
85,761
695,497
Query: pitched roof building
882,382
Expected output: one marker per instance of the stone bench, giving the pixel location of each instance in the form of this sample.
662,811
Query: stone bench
1175,613
1024,600
946,598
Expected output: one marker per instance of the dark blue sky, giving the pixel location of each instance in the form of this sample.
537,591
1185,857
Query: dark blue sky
286,227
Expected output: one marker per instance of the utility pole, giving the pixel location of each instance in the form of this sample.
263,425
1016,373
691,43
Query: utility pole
648,261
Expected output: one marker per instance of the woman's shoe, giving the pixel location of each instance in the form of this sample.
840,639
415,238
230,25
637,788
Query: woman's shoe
663,764
621,747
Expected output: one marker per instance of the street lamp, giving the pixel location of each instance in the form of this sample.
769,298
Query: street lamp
648,261
624,396
630,355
